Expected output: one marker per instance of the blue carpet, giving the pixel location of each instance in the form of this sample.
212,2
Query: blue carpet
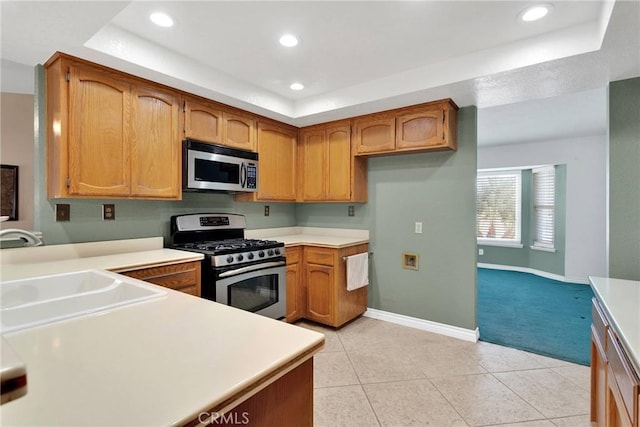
535,314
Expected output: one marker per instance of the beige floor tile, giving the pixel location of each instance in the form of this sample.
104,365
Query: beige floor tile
411,403
443,361
496,358
342,407
333,369
483,400
384,365
547,391
578,374
537,423
331,340
579,421
549,362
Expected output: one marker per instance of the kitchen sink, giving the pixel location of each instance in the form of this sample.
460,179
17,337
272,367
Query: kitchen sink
27,303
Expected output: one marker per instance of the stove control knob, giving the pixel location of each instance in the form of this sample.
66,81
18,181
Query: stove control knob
277,251
261,254
270,252
250,256
229,259
240,257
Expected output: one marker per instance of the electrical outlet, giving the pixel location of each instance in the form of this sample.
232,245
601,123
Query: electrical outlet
108,212
480,251
266,211
63,212
351,211
418,228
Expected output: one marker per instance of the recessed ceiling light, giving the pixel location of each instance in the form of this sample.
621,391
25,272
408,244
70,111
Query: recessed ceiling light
161,19
296,86
288,40
534,13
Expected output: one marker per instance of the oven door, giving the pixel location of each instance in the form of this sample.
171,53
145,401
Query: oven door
258,288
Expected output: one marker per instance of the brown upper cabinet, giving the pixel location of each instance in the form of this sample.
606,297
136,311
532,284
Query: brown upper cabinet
328,171
109,135
277,153
424,127
209,122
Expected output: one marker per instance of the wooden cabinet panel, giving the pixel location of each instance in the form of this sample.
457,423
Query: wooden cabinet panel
183,277
322,256
598,379
622,373
320,284
155,139
314,165
239,131
420,129
295,290
374,134
338,170
277,163
99,124
109,134
203,121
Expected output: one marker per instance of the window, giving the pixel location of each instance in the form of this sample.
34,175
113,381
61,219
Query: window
498,207
544,189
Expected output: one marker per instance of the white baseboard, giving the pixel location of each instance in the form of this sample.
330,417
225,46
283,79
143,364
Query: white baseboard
425,325
540,273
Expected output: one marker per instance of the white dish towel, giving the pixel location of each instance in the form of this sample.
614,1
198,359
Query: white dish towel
357,271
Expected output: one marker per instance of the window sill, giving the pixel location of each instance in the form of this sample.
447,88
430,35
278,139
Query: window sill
543,249
501,244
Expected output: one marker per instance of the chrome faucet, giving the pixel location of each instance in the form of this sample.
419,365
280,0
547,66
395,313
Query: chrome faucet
29,238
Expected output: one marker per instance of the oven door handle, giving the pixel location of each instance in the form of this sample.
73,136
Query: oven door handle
251,268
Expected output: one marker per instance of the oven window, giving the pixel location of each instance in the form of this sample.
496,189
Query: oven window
210,171
254,294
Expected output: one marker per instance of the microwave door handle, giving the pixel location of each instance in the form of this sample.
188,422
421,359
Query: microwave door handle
243,175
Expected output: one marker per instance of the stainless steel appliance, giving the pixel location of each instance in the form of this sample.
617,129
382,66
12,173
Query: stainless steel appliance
243,273
210,167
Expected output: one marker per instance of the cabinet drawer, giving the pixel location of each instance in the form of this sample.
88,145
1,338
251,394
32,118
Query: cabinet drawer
181,277
624,375
600,323
293,255
319,256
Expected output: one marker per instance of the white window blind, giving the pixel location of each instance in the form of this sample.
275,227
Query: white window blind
544,188
498,206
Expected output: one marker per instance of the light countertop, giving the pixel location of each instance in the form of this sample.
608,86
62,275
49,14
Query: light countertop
159,362
313,236
621,300
117,255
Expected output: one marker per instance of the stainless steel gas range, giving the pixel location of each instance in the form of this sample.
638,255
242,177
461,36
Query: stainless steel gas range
244,273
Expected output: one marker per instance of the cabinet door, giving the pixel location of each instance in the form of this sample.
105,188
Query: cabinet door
314,164
202,121
294,291
277,163
338,170
99,124
320,306
374,134
155,143
239,132
420,130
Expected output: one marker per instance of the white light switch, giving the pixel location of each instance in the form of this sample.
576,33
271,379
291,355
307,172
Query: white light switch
418,228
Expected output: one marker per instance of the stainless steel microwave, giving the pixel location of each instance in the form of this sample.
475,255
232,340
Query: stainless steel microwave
211,167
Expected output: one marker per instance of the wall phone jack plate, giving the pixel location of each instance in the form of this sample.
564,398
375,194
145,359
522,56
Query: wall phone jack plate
63,212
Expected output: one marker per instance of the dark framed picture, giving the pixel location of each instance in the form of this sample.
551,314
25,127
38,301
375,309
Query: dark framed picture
9,192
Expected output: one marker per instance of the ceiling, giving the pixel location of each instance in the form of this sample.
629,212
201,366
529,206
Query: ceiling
353,57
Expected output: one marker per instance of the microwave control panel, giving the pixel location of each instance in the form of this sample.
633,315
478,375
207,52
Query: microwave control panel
252,176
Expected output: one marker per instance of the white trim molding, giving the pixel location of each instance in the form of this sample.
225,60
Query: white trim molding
580,280
471,335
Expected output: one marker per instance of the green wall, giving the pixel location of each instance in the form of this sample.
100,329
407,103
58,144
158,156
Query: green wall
437,189
525,257
624,179
134,218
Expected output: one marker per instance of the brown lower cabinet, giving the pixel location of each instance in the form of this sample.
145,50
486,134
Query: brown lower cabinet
615,384
317,285
183,277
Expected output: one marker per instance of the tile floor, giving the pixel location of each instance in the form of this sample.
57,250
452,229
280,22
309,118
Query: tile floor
376,373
